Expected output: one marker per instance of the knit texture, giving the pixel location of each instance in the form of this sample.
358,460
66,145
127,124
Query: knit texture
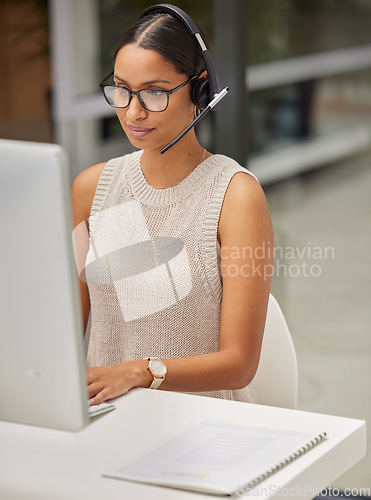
153,265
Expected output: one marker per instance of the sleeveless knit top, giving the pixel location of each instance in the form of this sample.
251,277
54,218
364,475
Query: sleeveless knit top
153,265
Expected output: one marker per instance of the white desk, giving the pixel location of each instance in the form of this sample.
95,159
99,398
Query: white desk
43,464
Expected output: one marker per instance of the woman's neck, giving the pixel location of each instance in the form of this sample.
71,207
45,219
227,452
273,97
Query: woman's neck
170,168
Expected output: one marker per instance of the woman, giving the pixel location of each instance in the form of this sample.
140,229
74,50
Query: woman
171,276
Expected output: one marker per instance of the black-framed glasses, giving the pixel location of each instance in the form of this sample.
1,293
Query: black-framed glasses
151,99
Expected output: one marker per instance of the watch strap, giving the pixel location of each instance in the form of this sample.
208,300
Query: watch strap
156,383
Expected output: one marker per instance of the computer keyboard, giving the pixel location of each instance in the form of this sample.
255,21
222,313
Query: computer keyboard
100,408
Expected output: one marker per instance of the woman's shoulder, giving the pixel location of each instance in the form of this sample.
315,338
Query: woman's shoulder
83,191
245,214
232,167
86,181
244,192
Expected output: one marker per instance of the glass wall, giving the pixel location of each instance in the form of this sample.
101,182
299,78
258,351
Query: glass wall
284,115
324,47
279,29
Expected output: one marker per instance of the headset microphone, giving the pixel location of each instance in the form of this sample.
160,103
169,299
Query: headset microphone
218,97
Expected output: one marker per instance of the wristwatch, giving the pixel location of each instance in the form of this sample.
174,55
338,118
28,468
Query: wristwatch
158,370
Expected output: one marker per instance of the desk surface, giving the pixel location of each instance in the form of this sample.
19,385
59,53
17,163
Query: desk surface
44,464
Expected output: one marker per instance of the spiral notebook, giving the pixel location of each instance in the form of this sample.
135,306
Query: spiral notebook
218,457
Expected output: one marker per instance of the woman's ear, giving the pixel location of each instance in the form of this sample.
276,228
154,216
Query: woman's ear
201,92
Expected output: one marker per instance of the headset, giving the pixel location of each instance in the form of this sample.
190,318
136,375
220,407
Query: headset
205,92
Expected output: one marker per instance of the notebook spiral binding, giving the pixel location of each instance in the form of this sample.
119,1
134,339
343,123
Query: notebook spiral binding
280,465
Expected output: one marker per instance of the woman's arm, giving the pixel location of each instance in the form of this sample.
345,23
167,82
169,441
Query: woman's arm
82,195
247,246
246,238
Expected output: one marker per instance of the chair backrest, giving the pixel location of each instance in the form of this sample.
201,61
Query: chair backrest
276,379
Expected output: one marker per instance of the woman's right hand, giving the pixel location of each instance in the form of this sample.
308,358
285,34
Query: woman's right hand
112,381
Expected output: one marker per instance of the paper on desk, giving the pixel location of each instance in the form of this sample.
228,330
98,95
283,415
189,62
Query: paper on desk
213,456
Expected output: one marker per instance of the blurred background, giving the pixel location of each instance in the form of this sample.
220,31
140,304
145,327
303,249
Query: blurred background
298,115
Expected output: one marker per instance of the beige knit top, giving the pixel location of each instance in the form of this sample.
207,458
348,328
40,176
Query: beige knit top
153,266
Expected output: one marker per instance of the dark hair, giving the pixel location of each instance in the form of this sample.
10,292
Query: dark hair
168,36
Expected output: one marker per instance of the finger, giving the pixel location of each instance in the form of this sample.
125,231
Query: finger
94,389
99,398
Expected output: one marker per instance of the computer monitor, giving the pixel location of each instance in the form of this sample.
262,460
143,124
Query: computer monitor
42,365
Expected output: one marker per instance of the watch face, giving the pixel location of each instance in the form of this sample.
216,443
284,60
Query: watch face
158,368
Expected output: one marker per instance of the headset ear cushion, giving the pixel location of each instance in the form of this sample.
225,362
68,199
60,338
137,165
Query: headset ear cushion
200,93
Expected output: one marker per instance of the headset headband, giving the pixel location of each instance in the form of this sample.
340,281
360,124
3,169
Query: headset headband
193,29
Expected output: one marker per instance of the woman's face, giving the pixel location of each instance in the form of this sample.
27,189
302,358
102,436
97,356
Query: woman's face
136,69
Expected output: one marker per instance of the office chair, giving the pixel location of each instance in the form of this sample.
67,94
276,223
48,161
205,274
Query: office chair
276,379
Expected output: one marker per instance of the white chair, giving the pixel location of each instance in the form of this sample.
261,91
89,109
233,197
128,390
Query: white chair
276,379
